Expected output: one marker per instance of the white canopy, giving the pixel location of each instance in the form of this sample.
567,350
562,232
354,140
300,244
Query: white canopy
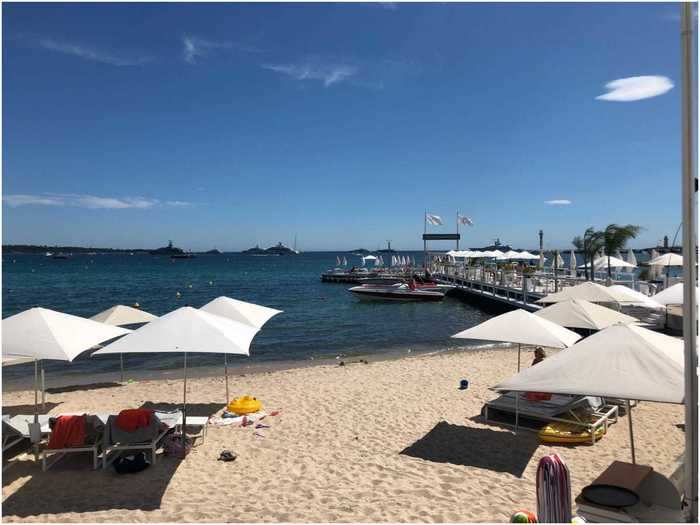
671,295
622,361
636,298
588,291
602,262
120,315
512,255
578,313
369,258
527,256
667,259
186,329
41,333
521,327
247,313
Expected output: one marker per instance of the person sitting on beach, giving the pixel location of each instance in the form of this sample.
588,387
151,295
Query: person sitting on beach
539,355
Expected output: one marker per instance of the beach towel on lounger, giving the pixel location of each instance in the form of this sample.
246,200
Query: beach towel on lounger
68,431
114,435
131,420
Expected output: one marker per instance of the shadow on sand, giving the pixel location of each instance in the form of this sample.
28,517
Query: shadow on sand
80,388
193,409
71,486
16,410
500,451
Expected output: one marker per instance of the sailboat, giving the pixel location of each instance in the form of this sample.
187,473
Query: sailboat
294,248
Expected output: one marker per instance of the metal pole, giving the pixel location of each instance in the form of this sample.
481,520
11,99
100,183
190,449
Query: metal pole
689,112
518,357
629,416
517,414
184,401
36,389
121,368
226,375
43,389
556,267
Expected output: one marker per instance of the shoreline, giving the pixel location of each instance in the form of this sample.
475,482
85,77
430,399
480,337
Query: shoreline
391,441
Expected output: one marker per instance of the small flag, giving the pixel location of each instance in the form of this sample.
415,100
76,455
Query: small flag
433,219
463,219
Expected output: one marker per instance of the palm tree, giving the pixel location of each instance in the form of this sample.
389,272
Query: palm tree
615,237
589,244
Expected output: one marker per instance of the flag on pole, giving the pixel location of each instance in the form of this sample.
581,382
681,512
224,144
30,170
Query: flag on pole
463,219
435,220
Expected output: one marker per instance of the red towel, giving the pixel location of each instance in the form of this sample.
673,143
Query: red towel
68,431
132,419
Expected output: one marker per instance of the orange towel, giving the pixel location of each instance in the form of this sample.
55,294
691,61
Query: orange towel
68,431
132,419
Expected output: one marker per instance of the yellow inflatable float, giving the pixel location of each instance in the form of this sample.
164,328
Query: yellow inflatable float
568,434
244,405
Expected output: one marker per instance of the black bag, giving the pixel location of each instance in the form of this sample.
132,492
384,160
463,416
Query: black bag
131,464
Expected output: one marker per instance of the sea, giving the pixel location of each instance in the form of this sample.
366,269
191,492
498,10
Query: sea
320,323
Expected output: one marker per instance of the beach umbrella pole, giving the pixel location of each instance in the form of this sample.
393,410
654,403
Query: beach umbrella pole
184,400
629,415
226,375
121,368
43,389
518,357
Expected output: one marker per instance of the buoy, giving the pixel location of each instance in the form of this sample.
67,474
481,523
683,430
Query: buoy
189,286
178,294
137,305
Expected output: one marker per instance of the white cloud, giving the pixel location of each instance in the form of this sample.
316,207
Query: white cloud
329,74
636,88
87,201
558,202
87,53
194,47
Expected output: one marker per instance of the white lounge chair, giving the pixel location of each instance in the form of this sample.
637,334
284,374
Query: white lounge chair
51,456
112,450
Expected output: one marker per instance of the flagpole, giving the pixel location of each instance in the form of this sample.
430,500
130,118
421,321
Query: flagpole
457,230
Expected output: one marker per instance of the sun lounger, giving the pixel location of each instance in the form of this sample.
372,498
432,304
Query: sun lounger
561,408
116,441
94,430
10,435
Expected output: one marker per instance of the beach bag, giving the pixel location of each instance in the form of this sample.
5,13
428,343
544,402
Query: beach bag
131,464
173,446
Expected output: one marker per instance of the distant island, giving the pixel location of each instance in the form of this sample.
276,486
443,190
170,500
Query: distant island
360,251
212,252
280,249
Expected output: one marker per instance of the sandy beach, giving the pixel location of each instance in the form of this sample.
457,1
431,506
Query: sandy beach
389,441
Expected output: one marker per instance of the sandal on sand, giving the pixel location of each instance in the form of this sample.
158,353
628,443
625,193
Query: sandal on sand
227,455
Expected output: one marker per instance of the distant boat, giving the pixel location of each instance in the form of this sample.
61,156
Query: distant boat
49,254
62,255
280,249
184,255
168,250
294,249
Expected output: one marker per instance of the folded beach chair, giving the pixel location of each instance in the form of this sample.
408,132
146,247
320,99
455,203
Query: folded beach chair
587,412
116,440
72,434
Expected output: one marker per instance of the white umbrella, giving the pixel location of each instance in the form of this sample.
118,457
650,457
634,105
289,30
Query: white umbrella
40,333
247,313
560,260
589,291
631,258
622,361
186,330
541,263
572,262
511,255
671,295
636,298
654,270
120,315
602,262
578,313
667,259
521,327
337,260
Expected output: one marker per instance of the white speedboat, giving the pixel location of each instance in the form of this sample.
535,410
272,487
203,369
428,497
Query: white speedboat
396,292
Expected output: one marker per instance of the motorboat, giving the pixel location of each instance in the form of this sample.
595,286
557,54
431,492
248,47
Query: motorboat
396,292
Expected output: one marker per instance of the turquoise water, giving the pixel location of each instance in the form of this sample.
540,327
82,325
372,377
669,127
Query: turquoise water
320,320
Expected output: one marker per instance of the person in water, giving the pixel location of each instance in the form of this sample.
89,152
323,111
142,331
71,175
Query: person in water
539,355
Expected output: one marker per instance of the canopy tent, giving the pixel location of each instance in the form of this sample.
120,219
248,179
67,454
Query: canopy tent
512,255
671,295
602,262
578,313
249,314
623,361
521,327
527,256
120,315
40,333
588,291
667,259
369,258
636,298
186,330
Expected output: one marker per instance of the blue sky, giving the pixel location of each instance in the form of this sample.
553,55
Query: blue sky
229,125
